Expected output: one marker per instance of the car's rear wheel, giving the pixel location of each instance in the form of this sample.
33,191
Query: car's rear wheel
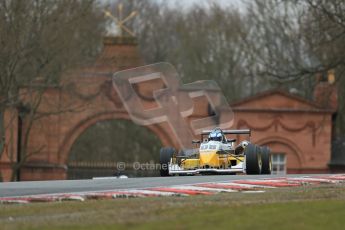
266,160
165,155
253,159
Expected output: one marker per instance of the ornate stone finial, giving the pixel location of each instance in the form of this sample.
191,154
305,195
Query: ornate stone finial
331,76
119,21
325,91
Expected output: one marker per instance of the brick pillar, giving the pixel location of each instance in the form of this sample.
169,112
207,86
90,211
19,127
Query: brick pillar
325,92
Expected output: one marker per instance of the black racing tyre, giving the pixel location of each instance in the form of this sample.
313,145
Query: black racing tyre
253,159
266,160
165,155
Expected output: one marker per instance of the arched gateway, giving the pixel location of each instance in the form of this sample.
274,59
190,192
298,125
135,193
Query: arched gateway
83,98
79,128
92,100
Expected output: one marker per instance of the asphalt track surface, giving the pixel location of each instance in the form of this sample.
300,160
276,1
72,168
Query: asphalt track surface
13,189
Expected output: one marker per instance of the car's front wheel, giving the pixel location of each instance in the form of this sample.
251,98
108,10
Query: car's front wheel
165,155
266,160
253,159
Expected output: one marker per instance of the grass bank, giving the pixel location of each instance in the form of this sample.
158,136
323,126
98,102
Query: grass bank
298,208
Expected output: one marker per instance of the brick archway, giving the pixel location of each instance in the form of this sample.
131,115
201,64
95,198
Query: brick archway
79,128
94,100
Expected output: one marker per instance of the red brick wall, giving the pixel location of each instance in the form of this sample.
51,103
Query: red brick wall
305,138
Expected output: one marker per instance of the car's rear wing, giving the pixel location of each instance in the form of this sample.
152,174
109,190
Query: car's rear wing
230,131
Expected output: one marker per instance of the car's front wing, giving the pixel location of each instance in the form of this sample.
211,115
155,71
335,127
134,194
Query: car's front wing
175,169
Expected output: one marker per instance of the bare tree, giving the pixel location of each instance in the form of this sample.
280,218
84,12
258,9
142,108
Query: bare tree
40,40
292,41
203,42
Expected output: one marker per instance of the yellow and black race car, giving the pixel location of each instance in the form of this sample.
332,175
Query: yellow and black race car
217,155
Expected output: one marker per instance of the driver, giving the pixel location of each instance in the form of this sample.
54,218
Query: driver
216,135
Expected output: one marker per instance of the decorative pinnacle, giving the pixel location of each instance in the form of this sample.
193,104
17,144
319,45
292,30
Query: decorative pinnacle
119,21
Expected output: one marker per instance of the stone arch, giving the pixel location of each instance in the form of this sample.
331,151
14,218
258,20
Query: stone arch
280,144
78,129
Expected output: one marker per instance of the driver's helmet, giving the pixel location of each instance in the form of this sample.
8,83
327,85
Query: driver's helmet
215,135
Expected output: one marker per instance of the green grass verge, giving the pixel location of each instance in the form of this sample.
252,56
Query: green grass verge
298,208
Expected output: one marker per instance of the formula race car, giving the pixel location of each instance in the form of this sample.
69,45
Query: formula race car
217,155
